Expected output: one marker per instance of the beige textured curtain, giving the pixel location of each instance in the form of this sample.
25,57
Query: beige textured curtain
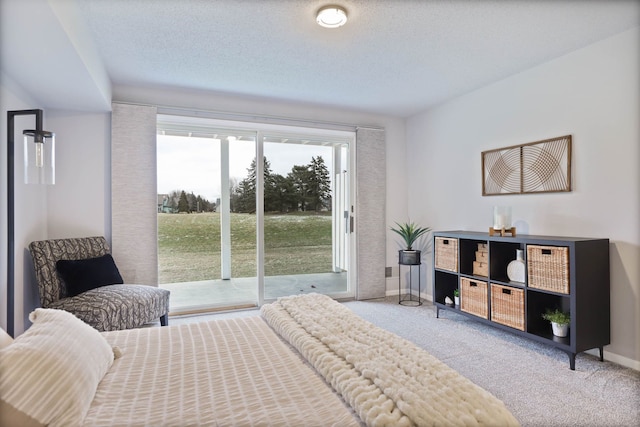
133,193
370,212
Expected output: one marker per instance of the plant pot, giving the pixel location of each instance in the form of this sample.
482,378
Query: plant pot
408,257
456,300
559,330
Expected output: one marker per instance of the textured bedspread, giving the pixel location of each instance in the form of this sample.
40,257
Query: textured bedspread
386,379
219,373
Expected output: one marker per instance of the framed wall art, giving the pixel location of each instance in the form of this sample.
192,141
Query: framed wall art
536,167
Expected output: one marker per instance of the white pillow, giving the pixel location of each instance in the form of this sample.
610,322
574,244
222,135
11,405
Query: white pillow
5,339
50,373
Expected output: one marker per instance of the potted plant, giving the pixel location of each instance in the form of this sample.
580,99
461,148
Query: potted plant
559,322
410,232
456,297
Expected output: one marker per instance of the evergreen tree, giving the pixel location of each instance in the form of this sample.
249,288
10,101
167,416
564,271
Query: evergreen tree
299,179
281,198
192,199
202,205
246,196
246,190
319,185
246,200
305,188
271,190
183,203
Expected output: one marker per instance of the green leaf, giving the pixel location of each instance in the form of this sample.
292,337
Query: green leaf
557,316
410,232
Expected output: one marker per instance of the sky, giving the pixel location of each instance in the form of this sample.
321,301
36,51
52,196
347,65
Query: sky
193,164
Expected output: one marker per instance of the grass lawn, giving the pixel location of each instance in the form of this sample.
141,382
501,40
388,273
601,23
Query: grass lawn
189,245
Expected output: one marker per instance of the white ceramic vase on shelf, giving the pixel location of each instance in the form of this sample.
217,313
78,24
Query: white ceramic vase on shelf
515,269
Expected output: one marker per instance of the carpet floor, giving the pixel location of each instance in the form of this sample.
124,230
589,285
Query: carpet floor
532,379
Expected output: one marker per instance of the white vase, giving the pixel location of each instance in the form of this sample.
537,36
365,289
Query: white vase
559,330
515,269
457,301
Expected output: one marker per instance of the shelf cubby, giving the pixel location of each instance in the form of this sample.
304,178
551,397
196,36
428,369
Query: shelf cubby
468,249
448,283
500,255
539,303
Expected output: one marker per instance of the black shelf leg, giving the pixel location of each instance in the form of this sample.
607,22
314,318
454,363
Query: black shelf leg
437,312
572,361
601,353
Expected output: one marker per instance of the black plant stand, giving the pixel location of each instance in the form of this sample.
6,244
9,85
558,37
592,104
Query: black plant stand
409,299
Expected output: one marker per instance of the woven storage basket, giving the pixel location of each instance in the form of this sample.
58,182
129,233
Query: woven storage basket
473,297
507,306
446,254
548,268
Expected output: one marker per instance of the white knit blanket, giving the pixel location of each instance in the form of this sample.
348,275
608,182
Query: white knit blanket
386,379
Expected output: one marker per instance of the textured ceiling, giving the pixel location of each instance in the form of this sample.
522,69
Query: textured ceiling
392,57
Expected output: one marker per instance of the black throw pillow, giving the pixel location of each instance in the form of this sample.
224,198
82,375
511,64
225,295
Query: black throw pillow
85,274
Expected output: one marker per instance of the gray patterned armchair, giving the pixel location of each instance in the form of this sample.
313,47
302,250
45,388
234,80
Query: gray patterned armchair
107,308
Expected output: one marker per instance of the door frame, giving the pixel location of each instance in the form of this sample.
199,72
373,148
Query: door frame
260,129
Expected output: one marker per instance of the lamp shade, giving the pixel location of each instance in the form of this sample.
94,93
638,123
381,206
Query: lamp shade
39,157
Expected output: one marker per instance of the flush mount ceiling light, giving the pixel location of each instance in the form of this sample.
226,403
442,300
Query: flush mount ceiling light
331,16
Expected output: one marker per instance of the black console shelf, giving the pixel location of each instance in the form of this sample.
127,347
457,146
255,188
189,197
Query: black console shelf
586,271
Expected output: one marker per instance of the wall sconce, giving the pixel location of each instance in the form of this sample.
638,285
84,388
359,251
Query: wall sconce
39,168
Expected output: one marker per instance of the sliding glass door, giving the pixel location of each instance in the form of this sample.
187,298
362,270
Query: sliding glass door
305,200
206,231
234,231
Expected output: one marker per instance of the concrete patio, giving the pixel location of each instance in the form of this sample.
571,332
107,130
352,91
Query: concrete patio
213,295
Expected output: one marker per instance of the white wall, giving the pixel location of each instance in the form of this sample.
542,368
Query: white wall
592,94
79,203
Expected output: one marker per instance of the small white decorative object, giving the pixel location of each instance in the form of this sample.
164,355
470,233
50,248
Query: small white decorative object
457,300
515,269
501,217
448,301
502,222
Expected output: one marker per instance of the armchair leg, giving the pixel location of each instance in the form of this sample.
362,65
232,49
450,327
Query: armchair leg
164,320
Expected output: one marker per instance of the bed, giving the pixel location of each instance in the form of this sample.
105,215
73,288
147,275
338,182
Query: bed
307,360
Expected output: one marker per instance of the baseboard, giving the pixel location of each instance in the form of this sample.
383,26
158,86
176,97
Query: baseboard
392,289
191,311
616,358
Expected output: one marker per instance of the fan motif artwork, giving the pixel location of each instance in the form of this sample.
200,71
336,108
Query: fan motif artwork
536,167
